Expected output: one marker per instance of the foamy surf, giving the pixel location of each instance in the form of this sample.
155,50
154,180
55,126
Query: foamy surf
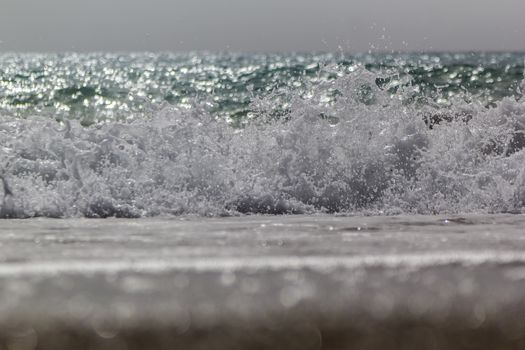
356,141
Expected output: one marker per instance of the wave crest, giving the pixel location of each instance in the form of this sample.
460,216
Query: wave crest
348,146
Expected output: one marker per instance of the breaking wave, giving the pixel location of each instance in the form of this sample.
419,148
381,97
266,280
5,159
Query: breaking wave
350,145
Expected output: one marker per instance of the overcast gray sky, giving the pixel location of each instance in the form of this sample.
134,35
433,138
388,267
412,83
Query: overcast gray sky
261,25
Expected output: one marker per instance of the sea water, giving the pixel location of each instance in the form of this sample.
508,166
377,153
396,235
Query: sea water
264,281
207,134
185,145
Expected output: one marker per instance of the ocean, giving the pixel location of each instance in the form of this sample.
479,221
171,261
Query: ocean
262,201
143,135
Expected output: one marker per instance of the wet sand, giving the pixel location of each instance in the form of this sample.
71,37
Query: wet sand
264,282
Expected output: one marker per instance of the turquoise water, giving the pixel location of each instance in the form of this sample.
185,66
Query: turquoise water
95,87
138,135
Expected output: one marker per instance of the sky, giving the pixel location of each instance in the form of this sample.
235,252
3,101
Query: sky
262,25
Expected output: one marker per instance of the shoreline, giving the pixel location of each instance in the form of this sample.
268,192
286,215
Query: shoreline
263,282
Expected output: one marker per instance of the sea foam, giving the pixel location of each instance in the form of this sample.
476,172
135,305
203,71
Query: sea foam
349,145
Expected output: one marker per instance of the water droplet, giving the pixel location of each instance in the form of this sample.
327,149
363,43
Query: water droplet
106,328
228,278
290,296
134,284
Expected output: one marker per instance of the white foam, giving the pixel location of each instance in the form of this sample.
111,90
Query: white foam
262,264
367,151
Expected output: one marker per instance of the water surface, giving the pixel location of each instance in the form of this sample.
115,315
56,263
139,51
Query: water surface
142,135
